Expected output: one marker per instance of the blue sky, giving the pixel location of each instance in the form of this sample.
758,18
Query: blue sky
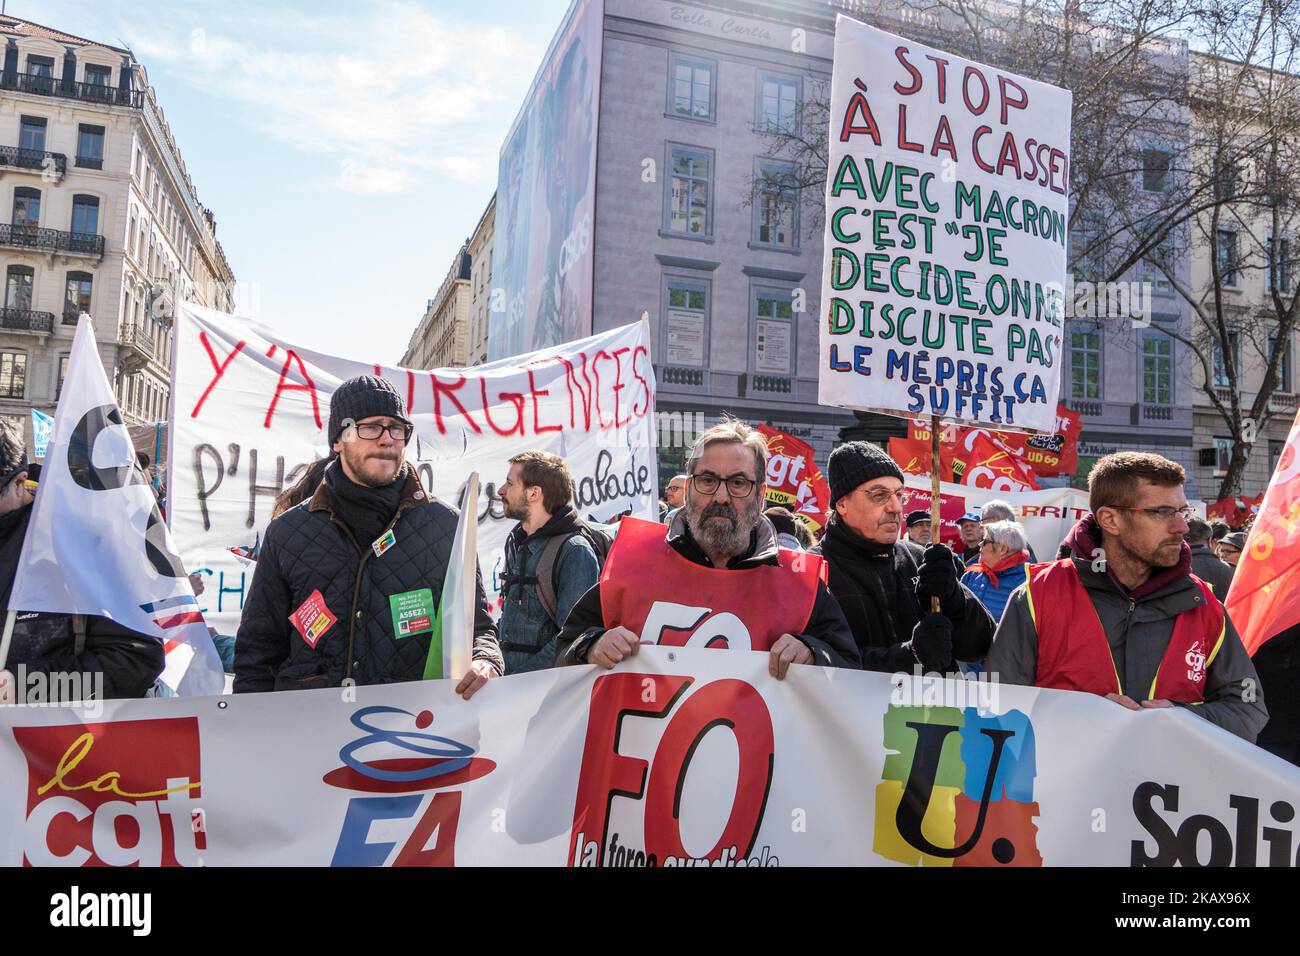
346,150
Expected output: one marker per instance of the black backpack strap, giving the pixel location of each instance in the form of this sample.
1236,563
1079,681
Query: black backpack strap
546,574
79,633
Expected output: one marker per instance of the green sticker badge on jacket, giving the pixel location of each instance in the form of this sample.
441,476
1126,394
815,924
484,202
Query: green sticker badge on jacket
412,612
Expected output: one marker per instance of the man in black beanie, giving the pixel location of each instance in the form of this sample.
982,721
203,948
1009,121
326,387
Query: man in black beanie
347,582
884,585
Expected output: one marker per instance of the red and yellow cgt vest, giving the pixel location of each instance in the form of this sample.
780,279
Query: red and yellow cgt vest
665,598
1073,653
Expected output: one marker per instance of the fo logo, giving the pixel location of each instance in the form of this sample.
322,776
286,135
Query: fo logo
116,794
393,757
958,790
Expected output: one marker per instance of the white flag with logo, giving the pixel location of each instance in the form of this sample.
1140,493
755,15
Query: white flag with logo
96,543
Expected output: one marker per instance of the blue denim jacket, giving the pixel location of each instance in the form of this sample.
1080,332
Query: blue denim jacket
526,632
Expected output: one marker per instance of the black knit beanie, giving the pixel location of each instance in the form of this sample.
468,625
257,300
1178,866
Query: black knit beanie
362,397
855,462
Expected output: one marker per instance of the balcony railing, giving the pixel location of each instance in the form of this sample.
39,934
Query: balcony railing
136,337
770,383
86,92
51,240
26,320
1157,413
1085,407
37,160
90,162
682,376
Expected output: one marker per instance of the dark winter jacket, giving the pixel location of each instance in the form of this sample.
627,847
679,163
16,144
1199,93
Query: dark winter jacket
128,661
876,586
526,631
309,548
1278,662
1138,625
827,634
1212,569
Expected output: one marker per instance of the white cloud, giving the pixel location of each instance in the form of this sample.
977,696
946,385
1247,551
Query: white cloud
389,92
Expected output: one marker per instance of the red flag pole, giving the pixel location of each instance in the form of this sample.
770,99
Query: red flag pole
936,521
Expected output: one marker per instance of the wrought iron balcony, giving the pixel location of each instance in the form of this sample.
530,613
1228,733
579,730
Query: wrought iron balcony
135,337
26,320
671,375
37,160
86,92
51,240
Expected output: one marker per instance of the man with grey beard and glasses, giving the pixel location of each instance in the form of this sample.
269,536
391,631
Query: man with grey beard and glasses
717,578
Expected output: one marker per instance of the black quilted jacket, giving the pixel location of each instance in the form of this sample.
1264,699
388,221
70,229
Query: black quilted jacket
307,549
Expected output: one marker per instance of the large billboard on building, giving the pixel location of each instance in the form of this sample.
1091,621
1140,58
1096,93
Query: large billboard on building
546,197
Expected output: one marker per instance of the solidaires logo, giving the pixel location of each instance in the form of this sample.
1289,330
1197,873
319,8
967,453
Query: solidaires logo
957,789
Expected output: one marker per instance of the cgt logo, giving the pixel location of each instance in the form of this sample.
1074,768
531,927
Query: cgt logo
114,794
656,785
371,766
958,789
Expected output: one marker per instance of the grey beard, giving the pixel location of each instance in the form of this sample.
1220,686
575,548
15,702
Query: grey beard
718,537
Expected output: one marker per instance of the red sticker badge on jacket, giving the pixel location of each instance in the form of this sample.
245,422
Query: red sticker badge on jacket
312,619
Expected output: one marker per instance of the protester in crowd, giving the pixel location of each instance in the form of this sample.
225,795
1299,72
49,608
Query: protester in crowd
42,643
1218,530
885,585
802,534
1230,548
1124,618
549,562
674,496
778,599
918,528
1001,565
786,527
999,510
1206,565
971,531
1277,661
303,488
347,582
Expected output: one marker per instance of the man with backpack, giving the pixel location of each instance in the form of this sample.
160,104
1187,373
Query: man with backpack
552,558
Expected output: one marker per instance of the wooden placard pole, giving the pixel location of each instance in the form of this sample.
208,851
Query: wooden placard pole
936,521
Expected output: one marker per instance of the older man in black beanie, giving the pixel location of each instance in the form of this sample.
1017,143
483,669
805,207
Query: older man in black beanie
347,583
885,585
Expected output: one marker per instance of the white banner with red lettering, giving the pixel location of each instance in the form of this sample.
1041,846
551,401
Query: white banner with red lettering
1047,515
251,412
675,757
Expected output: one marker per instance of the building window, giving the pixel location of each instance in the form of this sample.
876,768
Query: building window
1279,265
1226,177
1085,363
63,374
1157,370
1225,255
1222,455
778,105
776,206
90,146
13,374
27,206
85,215
1221,379
1283,383
77,295
774,331
691,87
1275,449
98,75
31,133
18,287
1155,170
689,191
686,323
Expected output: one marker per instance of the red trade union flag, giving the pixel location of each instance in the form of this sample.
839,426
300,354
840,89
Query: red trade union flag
990,464
794,479
1047,455
1264,598
914,457
951,508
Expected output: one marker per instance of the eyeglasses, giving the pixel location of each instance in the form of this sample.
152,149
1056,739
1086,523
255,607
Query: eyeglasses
1186,512
738,486
879,496
372,430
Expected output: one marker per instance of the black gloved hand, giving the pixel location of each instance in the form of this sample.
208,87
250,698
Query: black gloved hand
931,642
937,577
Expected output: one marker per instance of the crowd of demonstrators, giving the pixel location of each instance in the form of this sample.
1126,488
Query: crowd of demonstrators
1000,568
549,561
787,528
773,602
674,497
972,533
126,661
999,510
1207,565
319,610
884,584
1105,620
